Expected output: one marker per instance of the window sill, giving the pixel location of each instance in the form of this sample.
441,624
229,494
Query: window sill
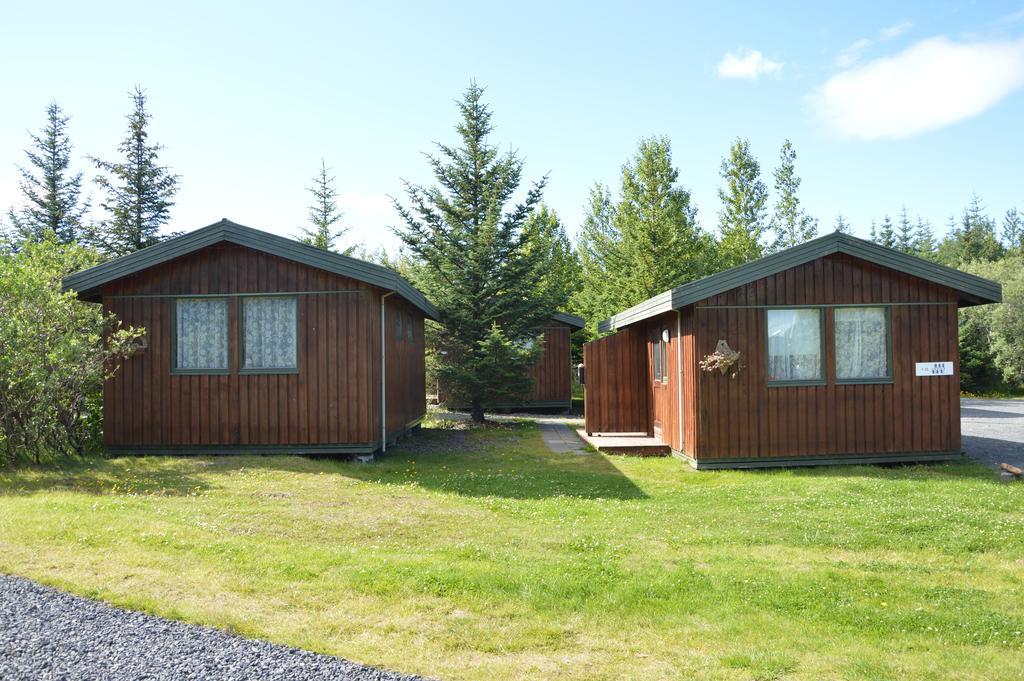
200,372
865,381
257,372
796,384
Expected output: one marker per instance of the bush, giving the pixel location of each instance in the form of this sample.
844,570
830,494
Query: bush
992,336
55,352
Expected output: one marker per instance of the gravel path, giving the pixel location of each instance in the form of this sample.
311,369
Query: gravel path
561,439
48,634
993,430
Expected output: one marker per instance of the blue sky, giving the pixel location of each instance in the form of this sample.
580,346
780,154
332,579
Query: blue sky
915,103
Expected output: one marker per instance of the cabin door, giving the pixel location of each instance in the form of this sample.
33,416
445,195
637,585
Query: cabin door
661,383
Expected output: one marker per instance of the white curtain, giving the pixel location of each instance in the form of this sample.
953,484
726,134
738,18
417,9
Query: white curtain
794,345
861,351
202,333
270,335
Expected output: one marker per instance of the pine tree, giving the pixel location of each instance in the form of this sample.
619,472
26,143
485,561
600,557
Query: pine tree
744,198
324,213
874,231
662,245
139,190
791,224
904,239
1013,230
52,194
887,233
842,226
478,263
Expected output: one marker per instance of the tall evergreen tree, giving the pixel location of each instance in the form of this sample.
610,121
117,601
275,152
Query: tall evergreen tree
1013,230
602,266
51,193
324,215
662,244
744,197
478,262
841,226
973,239
873,234
924,239
139,190
887,233
791,224
904,238
560,280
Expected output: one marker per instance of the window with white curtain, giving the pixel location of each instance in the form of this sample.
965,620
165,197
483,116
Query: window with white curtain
201,335
269,334
862,345
794,346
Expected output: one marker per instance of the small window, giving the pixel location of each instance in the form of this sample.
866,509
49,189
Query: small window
201,335
269,334
862,344
665,336
408,328
794,346
398,325
657,360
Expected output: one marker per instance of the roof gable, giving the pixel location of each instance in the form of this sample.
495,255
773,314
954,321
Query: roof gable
570,319
973,290
225,230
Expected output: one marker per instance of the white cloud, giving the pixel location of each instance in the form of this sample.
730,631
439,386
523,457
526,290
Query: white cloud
929,85
851,54
749,64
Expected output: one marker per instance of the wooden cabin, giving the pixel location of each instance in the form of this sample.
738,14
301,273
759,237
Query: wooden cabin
848,353
551,374
258,343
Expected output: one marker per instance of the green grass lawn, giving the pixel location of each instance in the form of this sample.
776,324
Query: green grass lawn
479,554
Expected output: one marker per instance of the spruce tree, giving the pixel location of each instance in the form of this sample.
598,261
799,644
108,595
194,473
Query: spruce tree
139,190
51,193
1013,230
904,238
478,262
887,233
744,197
560,280
662,246
873,234
602,267
324,215
973,239
924,239
841,226
791,224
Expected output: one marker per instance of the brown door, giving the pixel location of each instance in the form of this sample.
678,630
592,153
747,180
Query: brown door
661,381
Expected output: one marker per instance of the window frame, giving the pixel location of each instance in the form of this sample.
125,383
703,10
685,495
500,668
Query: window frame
822,349
175,370
254,371
891,378
656,359
664,354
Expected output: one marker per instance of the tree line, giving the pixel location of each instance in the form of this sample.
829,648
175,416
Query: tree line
478,240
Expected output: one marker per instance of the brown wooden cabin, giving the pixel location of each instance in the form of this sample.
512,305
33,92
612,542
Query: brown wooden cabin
551,374
258,343
837,340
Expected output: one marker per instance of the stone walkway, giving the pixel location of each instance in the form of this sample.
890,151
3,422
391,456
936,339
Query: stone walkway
560,438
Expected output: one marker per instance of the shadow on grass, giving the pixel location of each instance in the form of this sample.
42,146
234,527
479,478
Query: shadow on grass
966,469
507,460
151,475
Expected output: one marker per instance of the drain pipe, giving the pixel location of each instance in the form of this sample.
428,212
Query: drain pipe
679,372
383,379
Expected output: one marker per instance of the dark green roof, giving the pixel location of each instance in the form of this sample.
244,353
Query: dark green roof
570,319
973,290
88,281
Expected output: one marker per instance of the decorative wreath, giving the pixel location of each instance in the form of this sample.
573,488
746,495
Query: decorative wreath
723,359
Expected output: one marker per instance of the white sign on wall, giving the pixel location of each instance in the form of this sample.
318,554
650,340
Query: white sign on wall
934,368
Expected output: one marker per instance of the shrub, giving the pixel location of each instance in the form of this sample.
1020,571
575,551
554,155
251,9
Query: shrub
55,352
